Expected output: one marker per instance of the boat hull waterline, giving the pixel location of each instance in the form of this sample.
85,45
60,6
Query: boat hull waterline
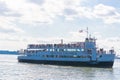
103,64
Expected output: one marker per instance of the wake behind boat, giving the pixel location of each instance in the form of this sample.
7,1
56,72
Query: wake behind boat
69,54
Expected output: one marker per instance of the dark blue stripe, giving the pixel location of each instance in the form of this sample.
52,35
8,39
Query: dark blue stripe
71,63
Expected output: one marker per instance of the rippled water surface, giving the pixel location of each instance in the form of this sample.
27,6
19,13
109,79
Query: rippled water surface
11,69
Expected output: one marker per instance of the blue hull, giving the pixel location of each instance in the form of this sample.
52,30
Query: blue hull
71,63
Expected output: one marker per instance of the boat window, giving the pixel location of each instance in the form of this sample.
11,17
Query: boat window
82,49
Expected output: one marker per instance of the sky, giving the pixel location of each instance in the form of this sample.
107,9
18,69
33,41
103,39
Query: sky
25,22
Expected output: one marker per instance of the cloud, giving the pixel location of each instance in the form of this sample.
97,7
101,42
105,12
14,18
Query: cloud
3,8
70,12
6,26
35,12
39,2
108,14
28,12
39,11
102,10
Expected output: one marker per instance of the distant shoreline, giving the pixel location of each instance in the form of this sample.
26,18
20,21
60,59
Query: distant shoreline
8,52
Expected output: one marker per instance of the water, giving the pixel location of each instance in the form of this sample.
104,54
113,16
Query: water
11,69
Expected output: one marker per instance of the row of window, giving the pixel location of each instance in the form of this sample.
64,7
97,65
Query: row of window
64,56
57,50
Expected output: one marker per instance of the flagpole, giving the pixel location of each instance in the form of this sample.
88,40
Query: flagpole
87,32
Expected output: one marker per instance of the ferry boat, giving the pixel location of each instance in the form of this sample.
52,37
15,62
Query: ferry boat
69,54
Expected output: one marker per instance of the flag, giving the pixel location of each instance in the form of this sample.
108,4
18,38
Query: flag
80,31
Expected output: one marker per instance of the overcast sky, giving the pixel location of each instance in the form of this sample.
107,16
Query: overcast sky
43,21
